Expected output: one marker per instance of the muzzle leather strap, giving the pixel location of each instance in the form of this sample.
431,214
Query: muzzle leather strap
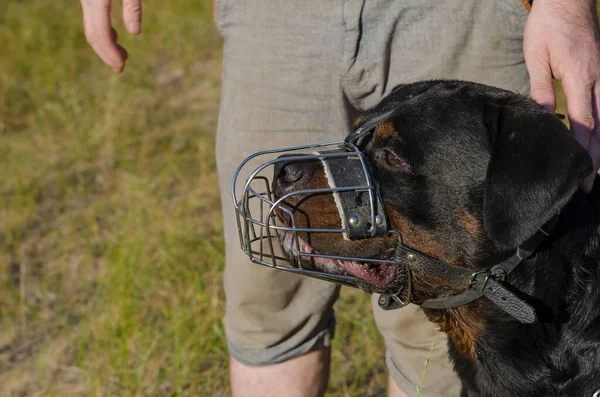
364,130
486,282
355,207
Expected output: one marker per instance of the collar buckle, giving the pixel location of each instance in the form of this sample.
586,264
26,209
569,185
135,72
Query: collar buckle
496,273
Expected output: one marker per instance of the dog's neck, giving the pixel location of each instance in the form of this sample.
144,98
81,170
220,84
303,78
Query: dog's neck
559,281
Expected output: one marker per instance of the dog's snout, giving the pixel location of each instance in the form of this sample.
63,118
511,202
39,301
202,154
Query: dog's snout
289,174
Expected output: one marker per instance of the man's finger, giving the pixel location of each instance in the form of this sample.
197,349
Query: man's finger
580,108
579,105
132,15
541,87
594,147
99,32
115,37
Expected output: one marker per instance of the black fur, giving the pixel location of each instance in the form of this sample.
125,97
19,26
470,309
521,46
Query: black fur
560,354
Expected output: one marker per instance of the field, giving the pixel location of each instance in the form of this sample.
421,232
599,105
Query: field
111,252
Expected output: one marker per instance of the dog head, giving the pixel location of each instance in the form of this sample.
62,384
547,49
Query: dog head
466,172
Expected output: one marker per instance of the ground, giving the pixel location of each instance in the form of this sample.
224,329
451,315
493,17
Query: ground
111,252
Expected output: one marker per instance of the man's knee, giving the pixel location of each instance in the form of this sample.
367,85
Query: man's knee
273,316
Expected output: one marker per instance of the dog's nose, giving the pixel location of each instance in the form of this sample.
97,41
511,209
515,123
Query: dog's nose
289,174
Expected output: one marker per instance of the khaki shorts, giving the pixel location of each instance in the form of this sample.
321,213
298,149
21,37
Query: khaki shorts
297,72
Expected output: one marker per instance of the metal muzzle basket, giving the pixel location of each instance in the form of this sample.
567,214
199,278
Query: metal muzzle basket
354,190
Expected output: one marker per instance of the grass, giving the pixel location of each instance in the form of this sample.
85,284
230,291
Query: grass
111,252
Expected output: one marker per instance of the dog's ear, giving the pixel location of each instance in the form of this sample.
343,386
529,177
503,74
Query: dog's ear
534,169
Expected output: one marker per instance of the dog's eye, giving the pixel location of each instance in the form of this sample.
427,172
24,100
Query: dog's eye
394,161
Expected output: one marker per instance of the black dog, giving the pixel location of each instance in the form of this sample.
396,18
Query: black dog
467,173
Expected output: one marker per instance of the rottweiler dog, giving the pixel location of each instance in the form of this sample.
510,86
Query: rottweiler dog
467,173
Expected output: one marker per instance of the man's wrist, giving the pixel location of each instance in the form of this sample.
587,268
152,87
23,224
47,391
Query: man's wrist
584,11
570,5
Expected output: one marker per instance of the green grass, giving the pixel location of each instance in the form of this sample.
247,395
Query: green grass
111,252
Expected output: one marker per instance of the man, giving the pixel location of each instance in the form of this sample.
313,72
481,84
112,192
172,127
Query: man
296,72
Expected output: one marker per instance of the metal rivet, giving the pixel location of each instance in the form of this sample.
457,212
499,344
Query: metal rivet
379,220
358,131
411,258
353,220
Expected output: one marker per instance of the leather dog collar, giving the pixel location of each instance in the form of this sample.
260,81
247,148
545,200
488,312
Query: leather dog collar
489,282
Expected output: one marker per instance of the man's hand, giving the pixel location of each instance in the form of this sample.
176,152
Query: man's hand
100,33
562,40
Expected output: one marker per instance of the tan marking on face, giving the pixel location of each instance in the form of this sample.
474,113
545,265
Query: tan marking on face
386,130
319,211
420,239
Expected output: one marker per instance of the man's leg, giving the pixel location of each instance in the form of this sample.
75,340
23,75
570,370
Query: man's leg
280,88
303,376
393,388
